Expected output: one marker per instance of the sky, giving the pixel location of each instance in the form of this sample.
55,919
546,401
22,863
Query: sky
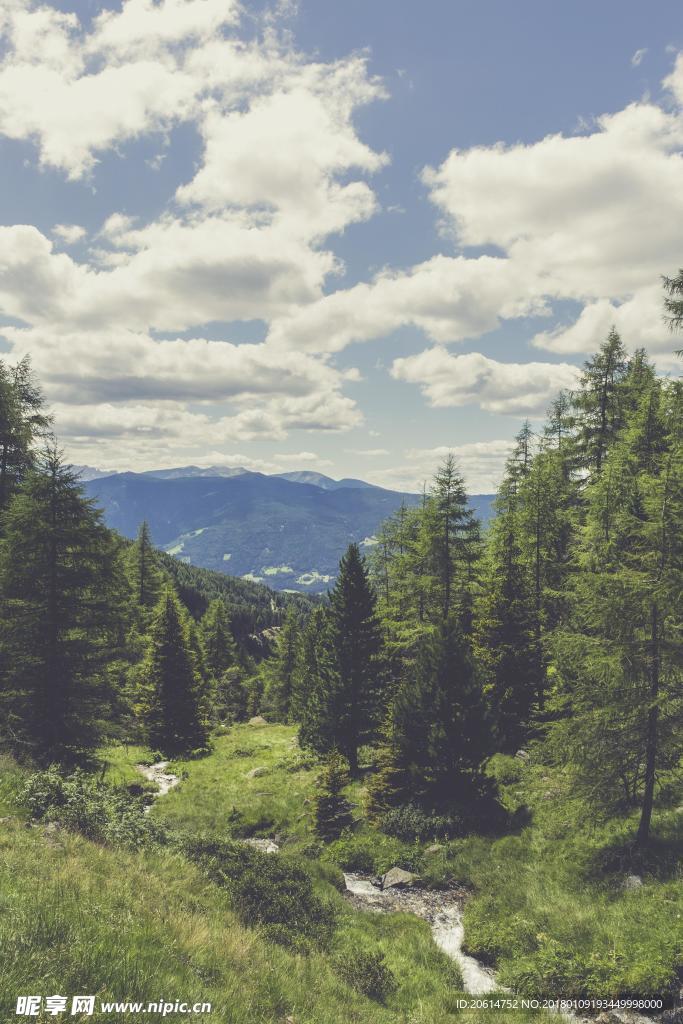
339,236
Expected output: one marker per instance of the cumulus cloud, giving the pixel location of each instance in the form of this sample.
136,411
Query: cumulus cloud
455,380
70,234
480,462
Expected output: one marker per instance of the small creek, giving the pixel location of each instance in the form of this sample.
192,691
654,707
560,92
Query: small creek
157,773
442,911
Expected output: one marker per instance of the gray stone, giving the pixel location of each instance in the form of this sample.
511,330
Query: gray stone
632,882
255,773
397,876
264,845
257,720
434,848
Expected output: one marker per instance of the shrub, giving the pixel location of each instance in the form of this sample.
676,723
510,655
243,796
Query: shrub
410,823
267,891
372,852
89,806
367,973
332,809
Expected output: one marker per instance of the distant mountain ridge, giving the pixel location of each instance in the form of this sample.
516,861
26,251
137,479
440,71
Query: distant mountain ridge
288,530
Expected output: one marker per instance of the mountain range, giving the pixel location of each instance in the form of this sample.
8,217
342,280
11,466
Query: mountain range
288,530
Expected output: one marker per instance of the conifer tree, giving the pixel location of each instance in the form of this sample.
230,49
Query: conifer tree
356,642
440,732
506,644
61,599
332,809
620,653
280,670
317,687
599,402
144,572
22,423
220,649
174,708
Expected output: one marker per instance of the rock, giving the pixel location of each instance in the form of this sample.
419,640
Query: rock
257,720
8,818
397,876
264,845
522,755
673,1016
632,882
255,773
434,848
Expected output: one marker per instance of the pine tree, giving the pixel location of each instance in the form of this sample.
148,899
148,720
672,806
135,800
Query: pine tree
599,402
357,645
440,731
61,597
22,423
279,672
174,708
144,571
506,642
220,649
620,653
332,809
317,689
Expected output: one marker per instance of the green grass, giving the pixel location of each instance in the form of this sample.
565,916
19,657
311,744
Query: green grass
119,762
548,905
217,793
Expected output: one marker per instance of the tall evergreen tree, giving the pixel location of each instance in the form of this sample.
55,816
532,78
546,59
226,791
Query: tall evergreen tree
356,644
22,423
506,641
316,690
61,596
220,649
599,402
174,707
332,809
440,731
280,670
620,655
144,571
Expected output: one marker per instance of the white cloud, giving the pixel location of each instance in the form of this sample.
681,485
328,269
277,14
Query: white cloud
481,463
70,234
370,453
637,58
456,380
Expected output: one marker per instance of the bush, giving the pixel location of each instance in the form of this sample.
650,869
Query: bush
411,823
91,807
267,891
372,852
367,973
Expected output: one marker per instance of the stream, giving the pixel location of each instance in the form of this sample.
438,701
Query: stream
443,913
157,773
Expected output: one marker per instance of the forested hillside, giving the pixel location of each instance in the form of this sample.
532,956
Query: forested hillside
497,714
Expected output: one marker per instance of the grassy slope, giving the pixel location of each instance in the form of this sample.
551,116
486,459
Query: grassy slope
149,925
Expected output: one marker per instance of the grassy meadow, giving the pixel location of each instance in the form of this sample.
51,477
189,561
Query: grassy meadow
82,916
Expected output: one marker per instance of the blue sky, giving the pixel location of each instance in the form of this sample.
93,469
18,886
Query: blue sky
336,236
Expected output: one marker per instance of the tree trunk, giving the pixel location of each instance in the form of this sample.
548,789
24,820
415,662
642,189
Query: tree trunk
651,742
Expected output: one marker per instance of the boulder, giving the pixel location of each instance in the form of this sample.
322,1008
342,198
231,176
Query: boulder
257,720
434,848
397,876
632,882
255,773
264,845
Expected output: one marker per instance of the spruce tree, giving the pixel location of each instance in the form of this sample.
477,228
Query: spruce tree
441,732
61,600
280,671
357,646
22,423
145,575
220,649
332,809
599,402
619,654
317,688
174,707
